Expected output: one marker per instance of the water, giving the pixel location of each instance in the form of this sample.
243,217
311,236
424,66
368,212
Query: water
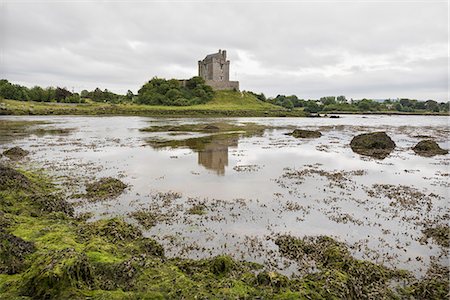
256,187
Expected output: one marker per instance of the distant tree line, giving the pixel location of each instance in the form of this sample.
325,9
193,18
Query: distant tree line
159,91
340,103
58,94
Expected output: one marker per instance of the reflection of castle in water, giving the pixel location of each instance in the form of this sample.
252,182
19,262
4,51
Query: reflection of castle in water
214,156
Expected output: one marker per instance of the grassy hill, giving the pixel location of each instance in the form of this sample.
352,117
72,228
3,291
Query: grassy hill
224,103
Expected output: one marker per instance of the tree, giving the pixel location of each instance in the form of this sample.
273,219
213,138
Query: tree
328,100
84,94
61,94
341,99
129,95
312,107
288,104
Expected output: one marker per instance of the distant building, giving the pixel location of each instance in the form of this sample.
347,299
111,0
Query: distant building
215,69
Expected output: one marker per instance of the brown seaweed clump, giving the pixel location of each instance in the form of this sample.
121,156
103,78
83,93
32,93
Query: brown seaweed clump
15,153
12,179
305,134
440,234
428,148
375,144
13,250
105,188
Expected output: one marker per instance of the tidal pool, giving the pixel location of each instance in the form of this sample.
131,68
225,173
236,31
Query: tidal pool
253,187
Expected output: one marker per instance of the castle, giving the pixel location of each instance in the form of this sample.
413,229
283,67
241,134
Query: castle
215,69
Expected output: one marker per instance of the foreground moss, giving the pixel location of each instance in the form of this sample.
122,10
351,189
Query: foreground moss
49,254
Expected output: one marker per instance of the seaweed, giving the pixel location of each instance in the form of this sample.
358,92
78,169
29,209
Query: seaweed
104,188
305,134
375,144
428,148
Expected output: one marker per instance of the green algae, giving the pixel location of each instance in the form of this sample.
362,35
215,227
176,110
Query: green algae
145,218
104,188
111,259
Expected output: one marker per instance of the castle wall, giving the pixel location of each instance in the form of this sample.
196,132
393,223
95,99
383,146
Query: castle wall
215,69
223,85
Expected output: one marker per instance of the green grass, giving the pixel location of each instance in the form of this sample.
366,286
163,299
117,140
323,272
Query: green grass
224,103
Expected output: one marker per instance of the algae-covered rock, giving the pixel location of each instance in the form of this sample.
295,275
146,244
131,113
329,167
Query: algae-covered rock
429,148
52,203
12,179
221,265
105,188
58,275
272,278
376,144
305,134
13,250
115,230
15,153
210,127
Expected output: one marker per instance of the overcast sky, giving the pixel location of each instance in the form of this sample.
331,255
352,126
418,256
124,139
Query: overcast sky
373,49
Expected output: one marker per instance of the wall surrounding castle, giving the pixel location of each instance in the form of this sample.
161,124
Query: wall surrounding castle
223,85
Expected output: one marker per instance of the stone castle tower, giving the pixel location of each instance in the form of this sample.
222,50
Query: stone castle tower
215,69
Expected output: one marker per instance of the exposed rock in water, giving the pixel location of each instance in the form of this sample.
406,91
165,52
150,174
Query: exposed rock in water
105,188
305,134
211,128
375,144
13,250
429,148
12,179
15,153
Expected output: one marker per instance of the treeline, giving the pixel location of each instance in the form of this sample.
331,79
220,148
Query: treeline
173,92
12,91
157,91
341,103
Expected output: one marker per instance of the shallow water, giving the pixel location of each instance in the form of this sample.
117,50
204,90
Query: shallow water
256,187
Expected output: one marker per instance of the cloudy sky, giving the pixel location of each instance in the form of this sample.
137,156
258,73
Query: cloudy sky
374,49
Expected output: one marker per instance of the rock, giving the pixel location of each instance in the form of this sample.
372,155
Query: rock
211,127
305,134
428,148
375,144
15,153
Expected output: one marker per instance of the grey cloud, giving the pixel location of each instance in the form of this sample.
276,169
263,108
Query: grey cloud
309,49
